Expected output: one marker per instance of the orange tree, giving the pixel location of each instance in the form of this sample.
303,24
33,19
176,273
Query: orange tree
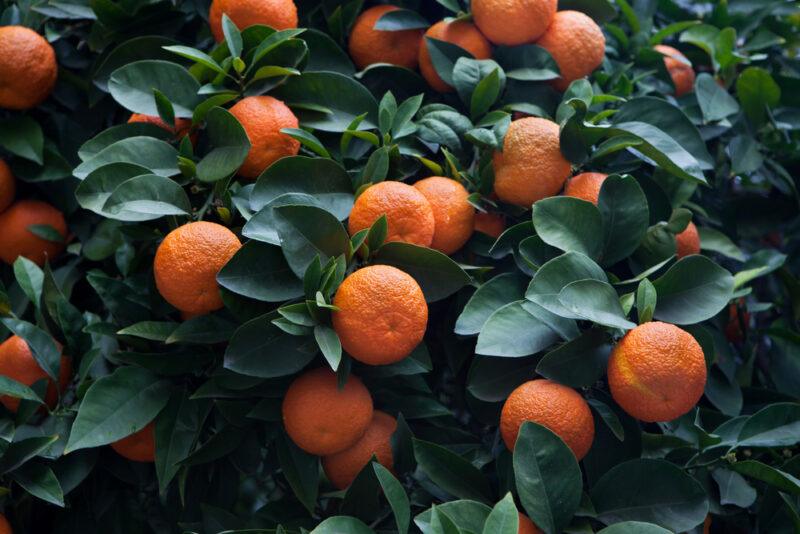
345,267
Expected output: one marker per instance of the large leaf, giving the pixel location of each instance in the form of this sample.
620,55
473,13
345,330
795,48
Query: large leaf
596,301
569,224
307,232
158,156
437,274
512,331
692,290
625,214
230,146
260,349
556,274
132,87
494,294
451,472
260,271
147,195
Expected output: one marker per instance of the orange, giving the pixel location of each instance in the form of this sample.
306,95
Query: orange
323,419
657,372
531,166
368,45
459,33
28,68
688,241
409,215
17,240
679,68
491,224
559,408
8,186
181,128
382,314
5,526
262,118
277,14
17,362
139,446
526,526
454,216
738,322
586,186
577,44
513,22
187,263
341,468
707,524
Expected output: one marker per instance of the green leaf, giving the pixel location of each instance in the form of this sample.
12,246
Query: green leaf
132,87
257,337
625,214
451,472
308,140
468,516
30,277
692,290
578,363
494,294
263,226
155,155
116,406
444,56
715,102
307,232
329,344
527,62
733,488
342,524
44,349
646,298
230,146
437,274
595,301
177,430
633,527
761,263
260,271
569,224
715,241
147,195
399,20
504,518
204,329
556,274
22,136
547,476
12,388
152,330
773,426
93,192
302,472
40,481
197,56
396,496
233,37
511,332
776,478
493,379
757,92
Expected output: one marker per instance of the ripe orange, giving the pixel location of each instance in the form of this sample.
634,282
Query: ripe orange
139,446
459,33
5,526
586,186
577,44
454,216
17,240
17,362
341,468
187,263
8,186
491,224
531,166
679,68
368,45
262,118
559,408
409,215
323,419
277,14
526,526
688,241
657,372
28,68
382,314
181,128
738,322
513,22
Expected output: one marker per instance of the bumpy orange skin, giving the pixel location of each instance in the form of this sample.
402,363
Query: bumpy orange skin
526,526
679,68
15,238
576,43
368,45
586,186
5,526
688,241
17,362
8,186
181,128
28,69
531,166
409,215
454,216
491,224
459,33
513,22
139,446
277,14
657,372
559,408
341,468
321,418
187,263
382,314
262,118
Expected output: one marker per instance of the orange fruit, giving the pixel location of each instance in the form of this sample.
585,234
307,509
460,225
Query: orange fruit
382,314
17,240
5,526
657,372
459,33
343,467
8,185
17,362
262,118
585,186
526,526
323,419
187,263
139,446
513,22
453,215
576,43
707,524
181,128
368,45
531,166
491,224
559,408
679,68
28,69
688,241
409,215
277,14
738,322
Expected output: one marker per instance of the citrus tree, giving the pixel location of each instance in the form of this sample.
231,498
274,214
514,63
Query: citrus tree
341,266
